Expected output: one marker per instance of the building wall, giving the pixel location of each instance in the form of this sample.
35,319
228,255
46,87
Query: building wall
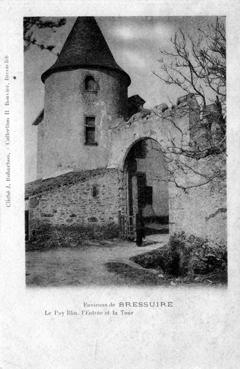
201,209
156,176
160,127
61,141
75,205
201,212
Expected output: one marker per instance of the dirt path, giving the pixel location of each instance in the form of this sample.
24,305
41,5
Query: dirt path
86,265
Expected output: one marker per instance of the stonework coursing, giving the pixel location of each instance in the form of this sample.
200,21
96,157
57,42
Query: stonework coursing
77,204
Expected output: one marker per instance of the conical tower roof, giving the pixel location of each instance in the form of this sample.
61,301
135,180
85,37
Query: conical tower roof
85,47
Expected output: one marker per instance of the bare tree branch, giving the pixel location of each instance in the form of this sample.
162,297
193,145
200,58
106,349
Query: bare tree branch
31,24
197,65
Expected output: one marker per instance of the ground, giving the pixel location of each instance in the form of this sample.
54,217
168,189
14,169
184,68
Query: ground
110,263
95,263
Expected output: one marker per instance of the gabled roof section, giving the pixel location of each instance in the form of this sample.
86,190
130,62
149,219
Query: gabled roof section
85,47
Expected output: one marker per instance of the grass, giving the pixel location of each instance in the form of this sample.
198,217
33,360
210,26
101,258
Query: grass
135,276
49,237
188,260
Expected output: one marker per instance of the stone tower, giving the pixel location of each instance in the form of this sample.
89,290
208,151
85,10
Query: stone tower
85,92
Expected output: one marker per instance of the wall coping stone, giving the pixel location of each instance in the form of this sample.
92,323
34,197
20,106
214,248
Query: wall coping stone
43,185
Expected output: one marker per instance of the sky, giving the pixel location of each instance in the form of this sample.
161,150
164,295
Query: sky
134,42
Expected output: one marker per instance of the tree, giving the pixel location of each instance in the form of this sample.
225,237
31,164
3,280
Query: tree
197,65
33,24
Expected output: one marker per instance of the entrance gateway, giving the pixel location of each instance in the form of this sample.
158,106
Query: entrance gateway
145,181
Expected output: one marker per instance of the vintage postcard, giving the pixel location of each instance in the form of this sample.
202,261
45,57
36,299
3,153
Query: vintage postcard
120,192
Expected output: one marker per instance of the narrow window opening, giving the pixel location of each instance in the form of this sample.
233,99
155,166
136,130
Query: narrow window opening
90,131
94,191
90,84
27,225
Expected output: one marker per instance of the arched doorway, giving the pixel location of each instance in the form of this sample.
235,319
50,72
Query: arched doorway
146,188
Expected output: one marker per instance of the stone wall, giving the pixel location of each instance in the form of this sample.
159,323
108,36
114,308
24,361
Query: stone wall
156,176
61,136
200,212
161,127
202,209
89,202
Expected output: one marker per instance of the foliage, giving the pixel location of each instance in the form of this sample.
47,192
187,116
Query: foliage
195,255
47,236
188,258
32,24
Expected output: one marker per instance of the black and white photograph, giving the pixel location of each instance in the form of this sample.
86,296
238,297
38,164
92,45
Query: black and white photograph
125,151
119,200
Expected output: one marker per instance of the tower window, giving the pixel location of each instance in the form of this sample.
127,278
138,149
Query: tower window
94,191
90,131
90,84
